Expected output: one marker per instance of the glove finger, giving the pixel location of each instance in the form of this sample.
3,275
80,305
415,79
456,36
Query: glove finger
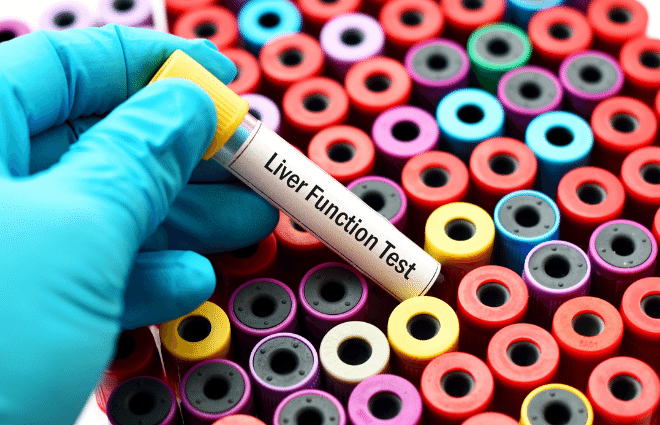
131,165
210,218
164,285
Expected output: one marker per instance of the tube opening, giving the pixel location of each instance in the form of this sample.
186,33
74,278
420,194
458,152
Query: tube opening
352,37
423,327
623,245
498,47
493,294
269,20
619,15
557,413
650,59
194,328
624,123
125,346
378,83
298,227
651,173
435,177
374,199
527,216
560,31
385,405
651,306
523,353
123,5
64,19
559,136
283,361
590,74
7,35
460,229
316,102
255,113
412,18
332,291
405,131
588,324
591,193
625,387
457,383
216,388
557,266
472,4
291,57
437,62
470,114
329,1
503,164
309,416
246,252
530,90
354,351
341,152
141,403
263,306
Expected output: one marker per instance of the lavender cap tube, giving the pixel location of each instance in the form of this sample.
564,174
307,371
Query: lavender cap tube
555,271
621,252
265,110
164,410
401,133
317,406
331,293
525,93
65,15
436,67
282,364
384,196
589,77
131,13
258,308
214,389
385,392
12,28
350,38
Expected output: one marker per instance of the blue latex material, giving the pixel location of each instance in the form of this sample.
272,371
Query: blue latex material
520,12
72,227
554,160
512,249
255,13
461,137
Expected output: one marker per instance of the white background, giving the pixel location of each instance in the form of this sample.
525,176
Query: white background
30,10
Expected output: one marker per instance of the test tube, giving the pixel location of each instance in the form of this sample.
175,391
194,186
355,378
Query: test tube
310,407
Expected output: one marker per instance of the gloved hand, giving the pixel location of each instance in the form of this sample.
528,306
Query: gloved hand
71,272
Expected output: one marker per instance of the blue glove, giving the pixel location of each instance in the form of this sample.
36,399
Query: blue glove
72,274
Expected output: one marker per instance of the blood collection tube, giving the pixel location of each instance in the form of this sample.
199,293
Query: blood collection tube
136,355
317,12
640,175
555,272
374,86
489,298
465,16
588,330
351,38
640,61
387,198
521,357
437,67
350,353
456,386
213,389
65,15
258,308
265,110
282,364
175,8
624,391
620,125
523,219
385,398
520,12
311,105
430,180
419,330
556,403
329,294
216,24
298,251
460,236
589,77
467,117
614,22
408,22
259,21
561,141
345,152
12,28
199,335
241,265
557,33
587,197
280,172
491,418
640,311
401,133
496,49
621,252
525,93
239,420
288,59
143,400
499,166
131,13
248,74
310,407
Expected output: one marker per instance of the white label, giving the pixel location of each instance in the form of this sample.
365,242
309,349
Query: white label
335,215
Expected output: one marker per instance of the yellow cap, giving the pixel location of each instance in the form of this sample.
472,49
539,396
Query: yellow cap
583,416
230,107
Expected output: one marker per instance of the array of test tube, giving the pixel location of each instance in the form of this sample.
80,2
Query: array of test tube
515,141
